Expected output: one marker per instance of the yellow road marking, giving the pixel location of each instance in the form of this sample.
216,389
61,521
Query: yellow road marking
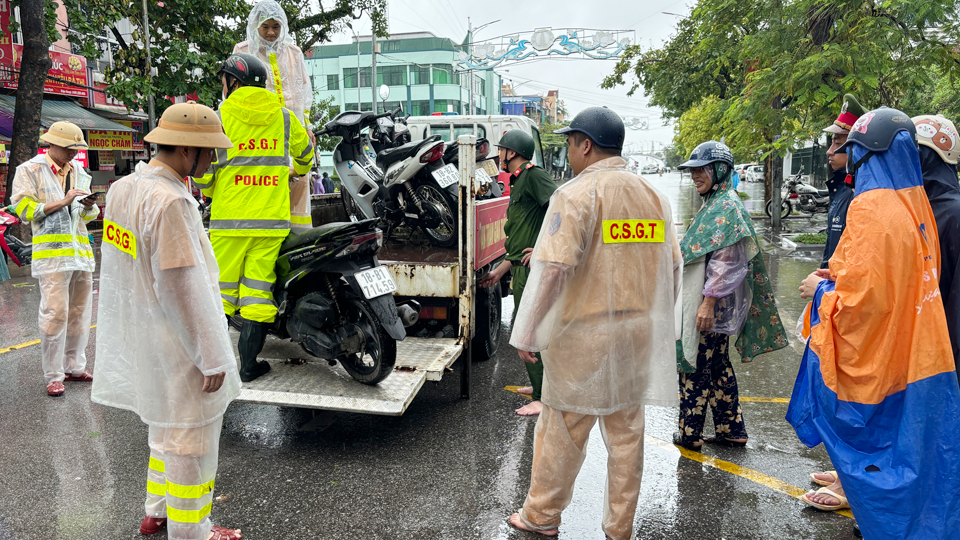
514,390
765,399
754,476
24,345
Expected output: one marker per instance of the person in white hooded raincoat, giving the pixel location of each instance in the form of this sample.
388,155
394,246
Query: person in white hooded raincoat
163,350
269,39
51,192
599,306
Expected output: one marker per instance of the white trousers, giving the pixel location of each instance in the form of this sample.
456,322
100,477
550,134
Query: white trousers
180,478
65,308
559,448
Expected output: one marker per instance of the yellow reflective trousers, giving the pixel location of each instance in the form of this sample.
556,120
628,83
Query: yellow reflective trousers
247,275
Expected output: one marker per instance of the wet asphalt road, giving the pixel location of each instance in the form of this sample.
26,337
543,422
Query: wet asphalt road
447,469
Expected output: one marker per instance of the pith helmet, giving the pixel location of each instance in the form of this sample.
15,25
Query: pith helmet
938,133
519,141
189,124
66,135
603,126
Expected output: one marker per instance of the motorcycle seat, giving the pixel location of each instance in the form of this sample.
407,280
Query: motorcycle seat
392,155
294,241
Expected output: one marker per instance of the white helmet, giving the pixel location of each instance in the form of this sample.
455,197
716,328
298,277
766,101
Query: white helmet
940,134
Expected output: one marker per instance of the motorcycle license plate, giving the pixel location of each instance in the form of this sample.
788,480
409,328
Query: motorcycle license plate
446,175
376,282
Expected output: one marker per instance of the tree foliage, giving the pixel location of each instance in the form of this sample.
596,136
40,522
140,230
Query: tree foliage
190,39
771,74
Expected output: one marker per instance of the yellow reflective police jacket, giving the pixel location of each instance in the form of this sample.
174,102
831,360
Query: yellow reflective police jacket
249,183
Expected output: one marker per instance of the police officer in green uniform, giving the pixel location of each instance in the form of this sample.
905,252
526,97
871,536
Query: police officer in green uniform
530,191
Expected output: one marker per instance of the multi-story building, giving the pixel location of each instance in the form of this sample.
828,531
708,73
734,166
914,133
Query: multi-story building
418,67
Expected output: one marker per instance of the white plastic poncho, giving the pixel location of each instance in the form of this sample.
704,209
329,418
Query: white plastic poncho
284,60
598,304
60,242
160,324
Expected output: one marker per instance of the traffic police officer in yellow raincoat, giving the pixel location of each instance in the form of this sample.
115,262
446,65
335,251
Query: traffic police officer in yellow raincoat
163,348
599,305
250,214
51,193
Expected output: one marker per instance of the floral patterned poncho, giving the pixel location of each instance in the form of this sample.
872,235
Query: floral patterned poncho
723,221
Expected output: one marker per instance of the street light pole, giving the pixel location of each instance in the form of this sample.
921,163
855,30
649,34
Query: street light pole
470,32
373,66
357,39
146,35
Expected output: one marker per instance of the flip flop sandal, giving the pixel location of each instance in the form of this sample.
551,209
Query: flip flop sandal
819,482
223,533
678,440
726,442
826,491
533,528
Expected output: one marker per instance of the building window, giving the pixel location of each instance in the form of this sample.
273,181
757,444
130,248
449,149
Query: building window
420,108
361,107
389,46
392,75
419,75
350,77
443,74
333,83
445,105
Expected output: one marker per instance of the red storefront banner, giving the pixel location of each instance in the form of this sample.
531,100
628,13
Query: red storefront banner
491,216
6,42
67,68
137,127
81,155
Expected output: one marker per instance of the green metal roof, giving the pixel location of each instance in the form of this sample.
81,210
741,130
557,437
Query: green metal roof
387,46
56,111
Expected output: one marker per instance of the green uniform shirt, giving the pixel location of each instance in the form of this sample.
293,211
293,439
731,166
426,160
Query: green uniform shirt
530,192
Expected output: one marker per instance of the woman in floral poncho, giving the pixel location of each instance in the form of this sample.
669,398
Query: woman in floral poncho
726,292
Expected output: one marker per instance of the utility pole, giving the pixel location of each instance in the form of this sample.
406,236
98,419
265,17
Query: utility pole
373,65
470,72
146,36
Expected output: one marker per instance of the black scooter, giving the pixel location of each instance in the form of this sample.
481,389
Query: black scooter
490,187
336,301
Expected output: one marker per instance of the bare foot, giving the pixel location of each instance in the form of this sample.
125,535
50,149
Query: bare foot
528,390
531,409
828,500
518,523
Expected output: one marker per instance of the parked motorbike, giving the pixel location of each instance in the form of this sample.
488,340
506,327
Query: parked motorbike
489,187
405,184
19,252
801,196
336,301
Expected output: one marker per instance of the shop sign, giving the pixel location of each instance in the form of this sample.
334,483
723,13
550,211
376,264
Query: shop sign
6,41
66,68
81,155
109,140
137,127
106,161
133,154
4,156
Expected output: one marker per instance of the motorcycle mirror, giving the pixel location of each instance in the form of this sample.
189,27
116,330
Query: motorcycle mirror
384,92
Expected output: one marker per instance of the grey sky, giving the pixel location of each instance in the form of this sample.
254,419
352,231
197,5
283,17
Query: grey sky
577,80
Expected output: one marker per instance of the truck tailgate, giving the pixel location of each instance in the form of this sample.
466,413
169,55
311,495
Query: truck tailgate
315,384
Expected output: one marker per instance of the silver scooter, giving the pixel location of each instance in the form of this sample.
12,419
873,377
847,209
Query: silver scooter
407,184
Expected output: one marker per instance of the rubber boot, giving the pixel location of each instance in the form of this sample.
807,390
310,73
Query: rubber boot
252,337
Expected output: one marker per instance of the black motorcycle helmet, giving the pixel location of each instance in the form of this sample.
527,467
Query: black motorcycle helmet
709,152
244,68
875,131
603,126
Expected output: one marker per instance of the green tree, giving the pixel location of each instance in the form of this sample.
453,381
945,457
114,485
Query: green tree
554,148
189,40
771,74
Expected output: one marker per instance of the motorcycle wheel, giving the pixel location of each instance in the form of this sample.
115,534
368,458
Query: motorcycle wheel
350,206
486,342
444,235
375,362
784,209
